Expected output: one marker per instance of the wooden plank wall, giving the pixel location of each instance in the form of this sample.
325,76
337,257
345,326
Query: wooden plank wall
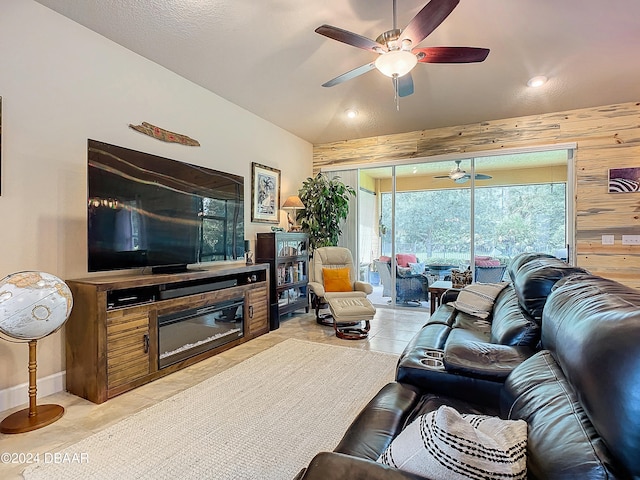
607,137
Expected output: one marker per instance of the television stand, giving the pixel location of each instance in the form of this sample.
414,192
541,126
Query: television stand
127,330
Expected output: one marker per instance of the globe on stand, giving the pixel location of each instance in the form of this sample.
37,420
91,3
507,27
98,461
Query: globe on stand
32,306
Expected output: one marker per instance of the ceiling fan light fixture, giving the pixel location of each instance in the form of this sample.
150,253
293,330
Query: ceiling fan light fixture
396,63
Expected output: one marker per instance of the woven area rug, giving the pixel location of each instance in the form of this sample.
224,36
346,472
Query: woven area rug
264,418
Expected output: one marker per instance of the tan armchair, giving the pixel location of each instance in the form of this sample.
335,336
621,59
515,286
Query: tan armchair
333,283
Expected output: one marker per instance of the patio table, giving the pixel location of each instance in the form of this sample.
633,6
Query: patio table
436,290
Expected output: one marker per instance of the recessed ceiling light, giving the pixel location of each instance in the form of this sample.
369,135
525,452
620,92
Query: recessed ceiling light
537,81
351,113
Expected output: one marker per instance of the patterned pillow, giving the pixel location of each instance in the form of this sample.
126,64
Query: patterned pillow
477,299
460,279
445,445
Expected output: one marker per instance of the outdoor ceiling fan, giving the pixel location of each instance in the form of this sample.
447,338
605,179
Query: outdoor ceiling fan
460,176
396,49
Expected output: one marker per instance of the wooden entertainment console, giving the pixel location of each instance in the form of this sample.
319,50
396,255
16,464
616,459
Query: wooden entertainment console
112,335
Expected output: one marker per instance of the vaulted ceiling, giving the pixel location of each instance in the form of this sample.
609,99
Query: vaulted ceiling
265,57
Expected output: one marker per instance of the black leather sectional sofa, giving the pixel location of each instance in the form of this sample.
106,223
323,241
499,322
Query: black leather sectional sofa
561,351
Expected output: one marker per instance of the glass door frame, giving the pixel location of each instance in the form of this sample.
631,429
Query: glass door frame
570,219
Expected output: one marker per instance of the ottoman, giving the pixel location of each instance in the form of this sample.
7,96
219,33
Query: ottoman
351,316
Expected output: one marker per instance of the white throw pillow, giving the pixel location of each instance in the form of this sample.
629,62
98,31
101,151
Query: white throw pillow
445,445
477,299
417,268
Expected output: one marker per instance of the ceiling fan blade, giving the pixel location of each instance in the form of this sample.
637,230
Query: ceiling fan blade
350,74
451,54
427,20
405,85
482,176
350,38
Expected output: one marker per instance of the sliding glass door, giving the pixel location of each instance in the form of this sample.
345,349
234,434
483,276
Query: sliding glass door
374,245
524,207
416,222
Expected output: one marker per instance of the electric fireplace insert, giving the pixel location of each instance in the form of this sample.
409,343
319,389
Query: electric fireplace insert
189,332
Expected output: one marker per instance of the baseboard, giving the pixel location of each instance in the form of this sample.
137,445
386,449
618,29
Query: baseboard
19,395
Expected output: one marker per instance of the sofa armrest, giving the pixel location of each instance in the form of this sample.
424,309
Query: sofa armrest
379,421
481,359
450,295
337,466
365,287
317,288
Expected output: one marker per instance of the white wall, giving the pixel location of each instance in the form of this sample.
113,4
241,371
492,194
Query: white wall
62,84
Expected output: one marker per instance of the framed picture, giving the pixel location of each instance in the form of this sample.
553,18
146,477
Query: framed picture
624,180
265,194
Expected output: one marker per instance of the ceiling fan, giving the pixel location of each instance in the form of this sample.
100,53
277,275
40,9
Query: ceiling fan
396,49
460,176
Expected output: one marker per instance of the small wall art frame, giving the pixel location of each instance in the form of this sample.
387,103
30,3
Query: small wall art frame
624,180
265,194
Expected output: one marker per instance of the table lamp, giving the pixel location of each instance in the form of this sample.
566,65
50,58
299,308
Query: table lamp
294,203
248,254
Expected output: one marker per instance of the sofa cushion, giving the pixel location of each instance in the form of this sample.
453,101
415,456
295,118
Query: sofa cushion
522,258
466,354
477,299
447,445
591,325
562,442
509,324
534,280
430,402
404,259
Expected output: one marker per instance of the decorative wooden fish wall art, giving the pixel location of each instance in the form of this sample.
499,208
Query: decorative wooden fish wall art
164,135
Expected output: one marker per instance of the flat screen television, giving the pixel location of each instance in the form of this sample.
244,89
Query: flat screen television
150,211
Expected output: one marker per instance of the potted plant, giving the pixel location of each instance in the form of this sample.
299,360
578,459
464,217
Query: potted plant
326,205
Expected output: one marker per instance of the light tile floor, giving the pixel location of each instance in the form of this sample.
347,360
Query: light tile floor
390,332
380,301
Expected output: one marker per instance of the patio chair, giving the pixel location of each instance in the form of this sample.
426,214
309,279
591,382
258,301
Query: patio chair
409,288
385,276
490,274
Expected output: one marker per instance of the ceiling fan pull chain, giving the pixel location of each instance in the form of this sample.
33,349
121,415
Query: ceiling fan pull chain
395,88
